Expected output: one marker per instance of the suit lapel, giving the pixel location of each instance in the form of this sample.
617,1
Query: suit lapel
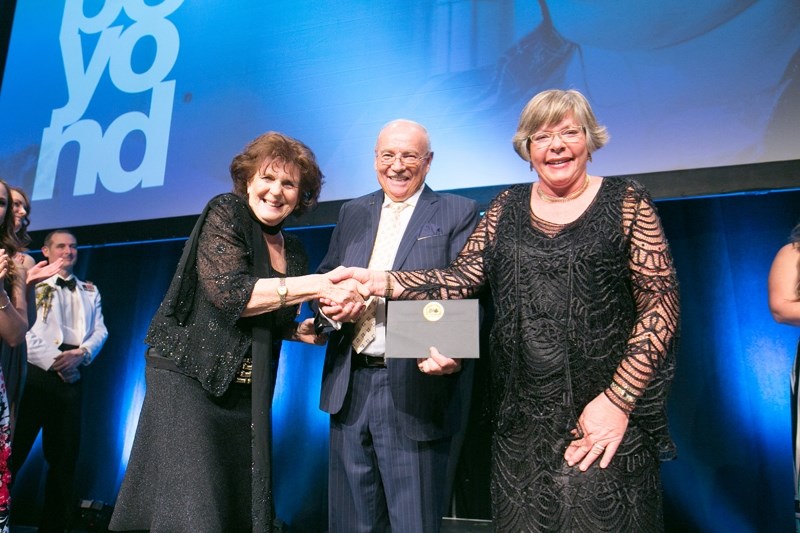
426,207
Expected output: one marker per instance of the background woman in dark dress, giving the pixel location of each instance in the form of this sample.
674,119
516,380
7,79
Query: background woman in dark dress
13,325
214,343
14,361
582,348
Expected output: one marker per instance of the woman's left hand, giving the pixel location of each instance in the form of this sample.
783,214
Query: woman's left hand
604,425
305,333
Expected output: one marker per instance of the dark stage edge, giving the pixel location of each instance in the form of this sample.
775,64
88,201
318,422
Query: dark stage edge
449,525
463,525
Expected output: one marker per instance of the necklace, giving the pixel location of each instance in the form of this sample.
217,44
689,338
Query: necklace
558,199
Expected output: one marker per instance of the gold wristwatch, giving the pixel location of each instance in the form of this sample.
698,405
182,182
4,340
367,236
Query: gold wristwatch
282,291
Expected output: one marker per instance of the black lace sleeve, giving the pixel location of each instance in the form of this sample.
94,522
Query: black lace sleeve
655,289
466,274
224,258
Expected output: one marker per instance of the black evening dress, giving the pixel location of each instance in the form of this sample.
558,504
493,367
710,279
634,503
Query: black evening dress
578,306
200,460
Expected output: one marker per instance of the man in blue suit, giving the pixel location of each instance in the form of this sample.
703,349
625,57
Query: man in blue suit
391,420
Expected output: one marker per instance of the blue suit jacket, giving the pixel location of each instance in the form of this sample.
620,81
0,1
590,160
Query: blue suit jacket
427,406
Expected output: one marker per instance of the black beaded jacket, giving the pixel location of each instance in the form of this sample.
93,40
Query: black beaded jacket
198,324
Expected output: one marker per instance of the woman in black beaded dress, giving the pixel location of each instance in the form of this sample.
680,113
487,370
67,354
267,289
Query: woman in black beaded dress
196,465
583,342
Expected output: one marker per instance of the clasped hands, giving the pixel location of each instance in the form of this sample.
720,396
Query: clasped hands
373,283
343,297
67,364
35,273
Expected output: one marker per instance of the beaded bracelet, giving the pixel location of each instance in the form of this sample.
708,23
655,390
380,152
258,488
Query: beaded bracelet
623,393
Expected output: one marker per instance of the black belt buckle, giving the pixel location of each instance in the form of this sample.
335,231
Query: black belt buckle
368,361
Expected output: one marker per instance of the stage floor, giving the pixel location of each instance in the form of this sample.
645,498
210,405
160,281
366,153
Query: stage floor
462,525
450,525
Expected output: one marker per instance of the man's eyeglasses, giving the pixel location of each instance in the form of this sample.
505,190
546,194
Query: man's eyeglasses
409,160
571,134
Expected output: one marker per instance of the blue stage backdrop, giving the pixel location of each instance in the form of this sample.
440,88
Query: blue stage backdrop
117,110
729,407
124,110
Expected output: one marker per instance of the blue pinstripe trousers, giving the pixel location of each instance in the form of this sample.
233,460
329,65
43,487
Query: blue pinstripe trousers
382,480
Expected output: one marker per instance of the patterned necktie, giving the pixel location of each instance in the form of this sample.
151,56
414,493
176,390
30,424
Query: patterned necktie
383,252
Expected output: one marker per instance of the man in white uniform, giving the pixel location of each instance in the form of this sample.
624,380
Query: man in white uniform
67,336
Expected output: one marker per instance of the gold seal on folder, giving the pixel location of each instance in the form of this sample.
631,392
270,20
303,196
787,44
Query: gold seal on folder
433,311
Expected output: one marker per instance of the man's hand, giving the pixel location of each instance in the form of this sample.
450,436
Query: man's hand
438,364
348,312
68,360
305,333
70,376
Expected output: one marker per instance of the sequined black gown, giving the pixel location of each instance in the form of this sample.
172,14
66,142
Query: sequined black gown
577,306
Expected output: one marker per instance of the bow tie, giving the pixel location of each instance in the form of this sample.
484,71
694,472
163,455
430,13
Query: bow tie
67,283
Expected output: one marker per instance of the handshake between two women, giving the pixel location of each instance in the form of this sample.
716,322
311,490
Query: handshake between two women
350,292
